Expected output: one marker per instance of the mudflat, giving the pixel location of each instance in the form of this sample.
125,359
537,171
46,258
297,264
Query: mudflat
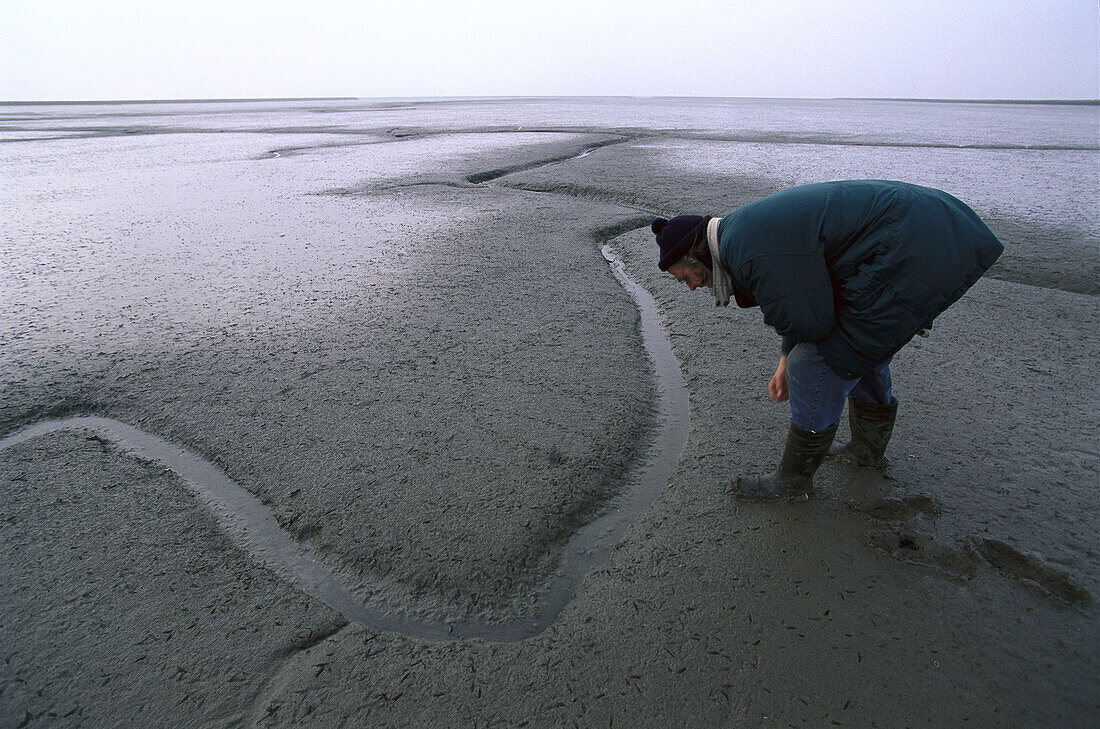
384,339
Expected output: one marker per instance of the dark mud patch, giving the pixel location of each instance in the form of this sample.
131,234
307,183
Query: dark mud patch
909,545
489,175
591,193
530,157
1033,572
307,148
619,227
1084,280
887,509
1061,257
95,132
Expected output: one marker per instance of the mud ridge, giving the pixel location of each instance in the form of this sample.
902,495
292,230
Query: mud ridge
274,683
304,148
1032,572
475,179
399,134
1024,274
480,177
909,545
620,227
586,192
313,640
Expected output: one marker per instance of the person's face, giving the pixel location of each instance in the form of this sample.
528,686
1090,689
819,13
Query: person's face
691,273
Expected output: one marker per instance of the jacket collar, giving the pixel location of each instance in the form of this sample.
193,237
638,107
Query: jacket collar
721,281
719,276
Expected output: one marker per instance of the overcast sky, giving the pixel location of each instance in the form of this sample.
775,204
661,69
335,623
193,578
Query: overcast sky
150,49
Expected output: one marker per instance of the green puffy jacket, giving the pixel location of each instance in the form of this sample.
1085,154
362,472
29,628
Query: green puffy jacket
856,267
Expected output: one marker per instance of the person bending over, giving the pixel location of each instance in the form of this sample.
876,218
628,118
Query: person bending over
847,273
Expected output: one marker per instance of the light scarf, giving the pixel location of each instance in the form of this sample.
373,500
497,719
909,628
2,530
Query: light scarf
720,278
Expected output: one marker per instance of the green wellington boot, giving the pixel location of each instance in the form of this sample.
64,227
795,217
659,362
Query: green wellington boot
871,428
804,452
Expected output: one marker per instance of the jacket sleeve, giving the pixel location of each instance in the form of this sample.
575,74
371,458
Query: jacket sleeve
795,294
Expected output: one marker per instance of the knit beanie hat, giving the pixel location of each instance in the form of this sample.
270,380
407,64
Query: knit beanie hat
676,237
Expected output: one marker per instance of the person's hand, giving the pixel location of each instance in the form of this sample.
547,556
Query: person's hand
777,386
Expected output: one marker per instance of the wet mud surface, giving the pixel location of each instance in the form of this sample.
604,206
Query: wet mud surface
393,326
119,589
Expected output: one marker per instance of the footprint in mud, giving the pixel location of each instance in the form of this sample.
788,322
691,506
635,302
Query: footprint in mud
887,509
916,547
1032,572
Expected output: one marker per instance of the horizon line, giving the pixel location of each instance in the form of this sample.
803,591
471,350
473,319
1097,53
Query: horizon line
70,102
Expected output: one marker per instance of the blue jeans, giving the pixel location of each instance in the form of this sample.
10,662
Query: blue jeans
817,394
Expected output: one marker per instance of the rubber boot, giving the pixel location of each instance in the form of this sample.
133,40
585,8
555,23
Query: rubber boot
804,452
871,425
